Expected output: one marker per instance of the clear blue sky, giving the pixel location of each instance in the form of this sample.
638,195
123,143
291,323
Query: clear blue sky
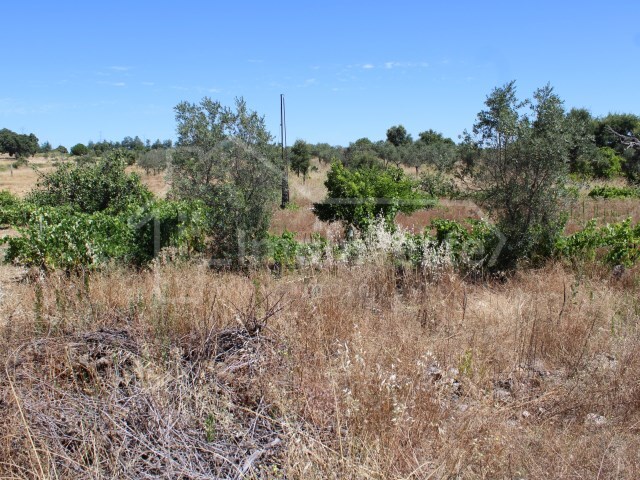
78,71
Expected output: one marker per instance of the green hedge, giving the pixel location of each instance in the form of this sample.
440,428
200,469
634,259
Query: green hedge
63,238
615,192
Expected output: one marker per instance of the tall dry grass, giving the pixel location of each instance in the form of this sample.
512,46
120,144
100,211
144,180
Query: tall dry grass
350,372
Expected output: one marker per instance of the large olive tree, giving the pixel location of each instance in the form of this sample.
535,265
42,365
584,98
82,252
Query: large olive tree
520,172
224,157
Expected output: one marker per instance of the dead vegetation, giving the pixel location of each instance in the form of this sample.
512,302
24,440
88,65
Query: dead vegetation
351,372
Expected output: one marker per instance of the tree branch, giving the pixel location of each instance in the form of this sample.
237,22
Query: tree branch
628,140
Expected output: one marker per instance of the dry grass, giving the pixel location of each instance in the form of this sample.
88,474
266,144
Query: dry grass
350,372
157,183
367,372
603,210
22,180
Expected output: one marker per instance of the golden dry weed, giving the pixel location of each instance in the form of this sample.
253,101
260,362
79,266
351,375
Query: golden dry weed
350,372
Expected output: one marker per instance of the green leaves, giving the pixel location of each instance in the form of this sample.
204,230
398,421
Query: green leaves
616,244
62,238
520,169
91,214
610,191
358,196
300,158
18,145
225,159
91,187
58,238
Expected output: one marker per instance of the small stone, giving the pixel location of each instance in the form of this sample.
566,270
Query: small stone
525,414
434,372
502,395
595,420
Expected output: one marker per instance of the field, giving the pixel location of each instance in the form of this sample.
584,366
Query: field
301,220
348,371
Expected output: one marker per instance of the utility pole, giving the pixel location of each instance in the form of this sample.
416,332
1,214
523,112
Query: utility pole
285,160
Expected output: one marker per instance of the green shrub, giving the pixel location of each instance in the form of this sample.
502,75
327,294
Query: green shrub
163,223
283,250
10,206
286,253
79,149
91,187
607,163
358,196
614,192
62,238
20,162
13,210
438,185
59,238
615,244
473,243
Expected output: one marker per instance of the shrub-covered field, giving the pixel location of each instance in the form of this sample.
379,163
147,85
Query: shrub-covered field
416,310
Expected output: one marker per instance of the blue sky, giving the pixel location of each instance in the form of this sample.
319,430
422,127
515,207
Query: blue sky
80,71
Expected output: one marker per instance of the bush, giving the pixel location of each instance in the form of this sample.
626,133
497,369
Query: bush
178,224
90,214
473,244
62,238
57,237
79,149
614,192
607,163
91,187
20,162
284,252
616,244
358,196
469,247
438,185
9,207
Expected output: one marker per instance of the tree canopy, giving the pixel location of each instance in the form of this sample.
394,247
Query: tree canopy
521,169
225,158
300,158
398,135
18,145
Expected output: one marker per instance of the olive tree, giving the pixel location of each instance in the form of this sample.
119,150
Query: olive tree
224,157
300,158
398,136
521,170
154,159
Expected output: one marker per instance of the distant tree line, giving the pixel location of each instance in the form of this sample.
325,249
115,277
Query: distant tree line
597,148
152,157
128,144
